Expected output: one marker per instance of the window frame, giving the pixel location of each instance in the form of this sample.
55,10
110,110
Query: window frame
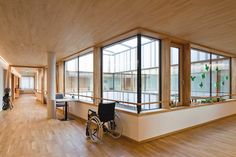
64,75
138,69
180,73
210,61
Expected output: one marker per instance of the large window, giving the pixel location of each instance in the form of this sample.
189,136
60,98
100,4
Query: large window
86,76
121,71
210,74
79,77
174,79
200,74
220,76
150,72
27,82
71,77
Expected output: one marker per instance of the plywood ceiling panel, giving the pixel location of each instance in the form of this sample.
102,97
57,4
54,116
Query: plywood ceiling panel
26,71
30,28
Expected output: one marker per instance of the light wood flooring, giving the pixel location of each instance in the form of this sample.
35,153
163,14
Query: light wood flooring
25,132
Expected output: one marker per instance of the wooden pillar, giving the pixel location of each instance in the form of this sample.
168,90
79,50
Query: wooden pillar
42,85
51,85
186,66
12,86
8,77
61,77
165,71
233,75
36,81
97,74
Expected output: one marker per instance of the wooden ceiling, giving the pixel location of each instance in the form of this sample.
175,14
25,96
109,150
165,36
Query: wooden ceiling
26,71
30,28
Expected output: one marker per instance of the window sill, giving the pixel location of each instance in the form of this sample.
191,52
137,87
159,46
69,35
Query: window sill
182,108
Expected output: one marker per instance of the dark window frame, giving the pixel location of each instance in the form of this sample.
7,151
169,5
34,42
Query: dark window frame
64,69
138,69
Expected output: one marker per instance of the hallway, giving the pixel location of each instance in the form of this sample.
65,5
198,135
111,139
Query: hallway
25,132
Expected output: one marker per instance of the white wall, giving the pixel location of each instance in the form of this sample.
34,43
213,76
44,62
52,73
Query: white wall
144,127
129,122
163,123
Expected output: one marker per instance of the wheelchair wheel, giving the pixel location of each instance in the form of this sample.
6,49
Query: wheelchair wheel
115,128
94,128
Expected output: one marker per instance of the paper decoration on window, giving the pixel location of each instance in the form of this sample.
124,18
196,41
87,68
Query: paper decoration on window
193,78
203,75
226,77
206,67
223,83
201,85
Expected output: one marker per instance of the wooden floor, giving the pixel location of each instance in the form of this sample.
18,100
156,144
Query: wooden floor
25,132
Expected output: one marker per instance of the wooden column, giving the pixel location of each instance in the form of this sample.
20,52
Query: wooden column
36,81
12,86
97,73
165,71
8,77
233,75
42,85
61,77
186,66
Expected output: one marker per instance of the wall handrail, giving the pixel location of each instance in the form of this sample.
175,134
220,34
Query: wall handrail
125,102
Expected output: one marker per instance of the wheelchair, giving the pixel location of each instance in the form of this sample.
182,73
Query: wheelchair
105,121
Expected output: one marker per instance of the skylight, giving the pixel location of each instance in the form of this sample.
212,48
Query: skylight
131,43
116,48
145,40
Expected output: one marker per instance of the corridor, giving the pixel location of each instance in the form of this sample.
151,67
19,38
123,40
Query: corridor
25,132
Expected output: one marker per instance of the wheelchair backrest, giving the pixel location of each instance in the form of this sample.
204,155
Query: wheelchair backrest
106,111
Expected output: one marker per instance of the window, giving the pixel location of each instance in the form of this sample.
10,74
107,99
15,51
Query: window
150,72
71,77
174,75
210,74
220,76
79,77
200,73
27,82
120,72
86,76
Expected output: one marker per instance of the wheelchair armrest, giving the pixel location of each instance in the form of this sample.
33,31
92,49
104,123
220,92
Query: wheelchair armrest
92,112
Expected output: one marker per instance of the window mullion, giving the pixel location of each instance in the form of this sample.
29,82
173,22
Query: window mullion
139,79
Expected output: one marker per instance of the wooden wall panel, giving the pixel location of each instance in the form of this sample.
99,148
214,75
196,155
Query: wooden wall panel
233,87
165,70
97,73
186,75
